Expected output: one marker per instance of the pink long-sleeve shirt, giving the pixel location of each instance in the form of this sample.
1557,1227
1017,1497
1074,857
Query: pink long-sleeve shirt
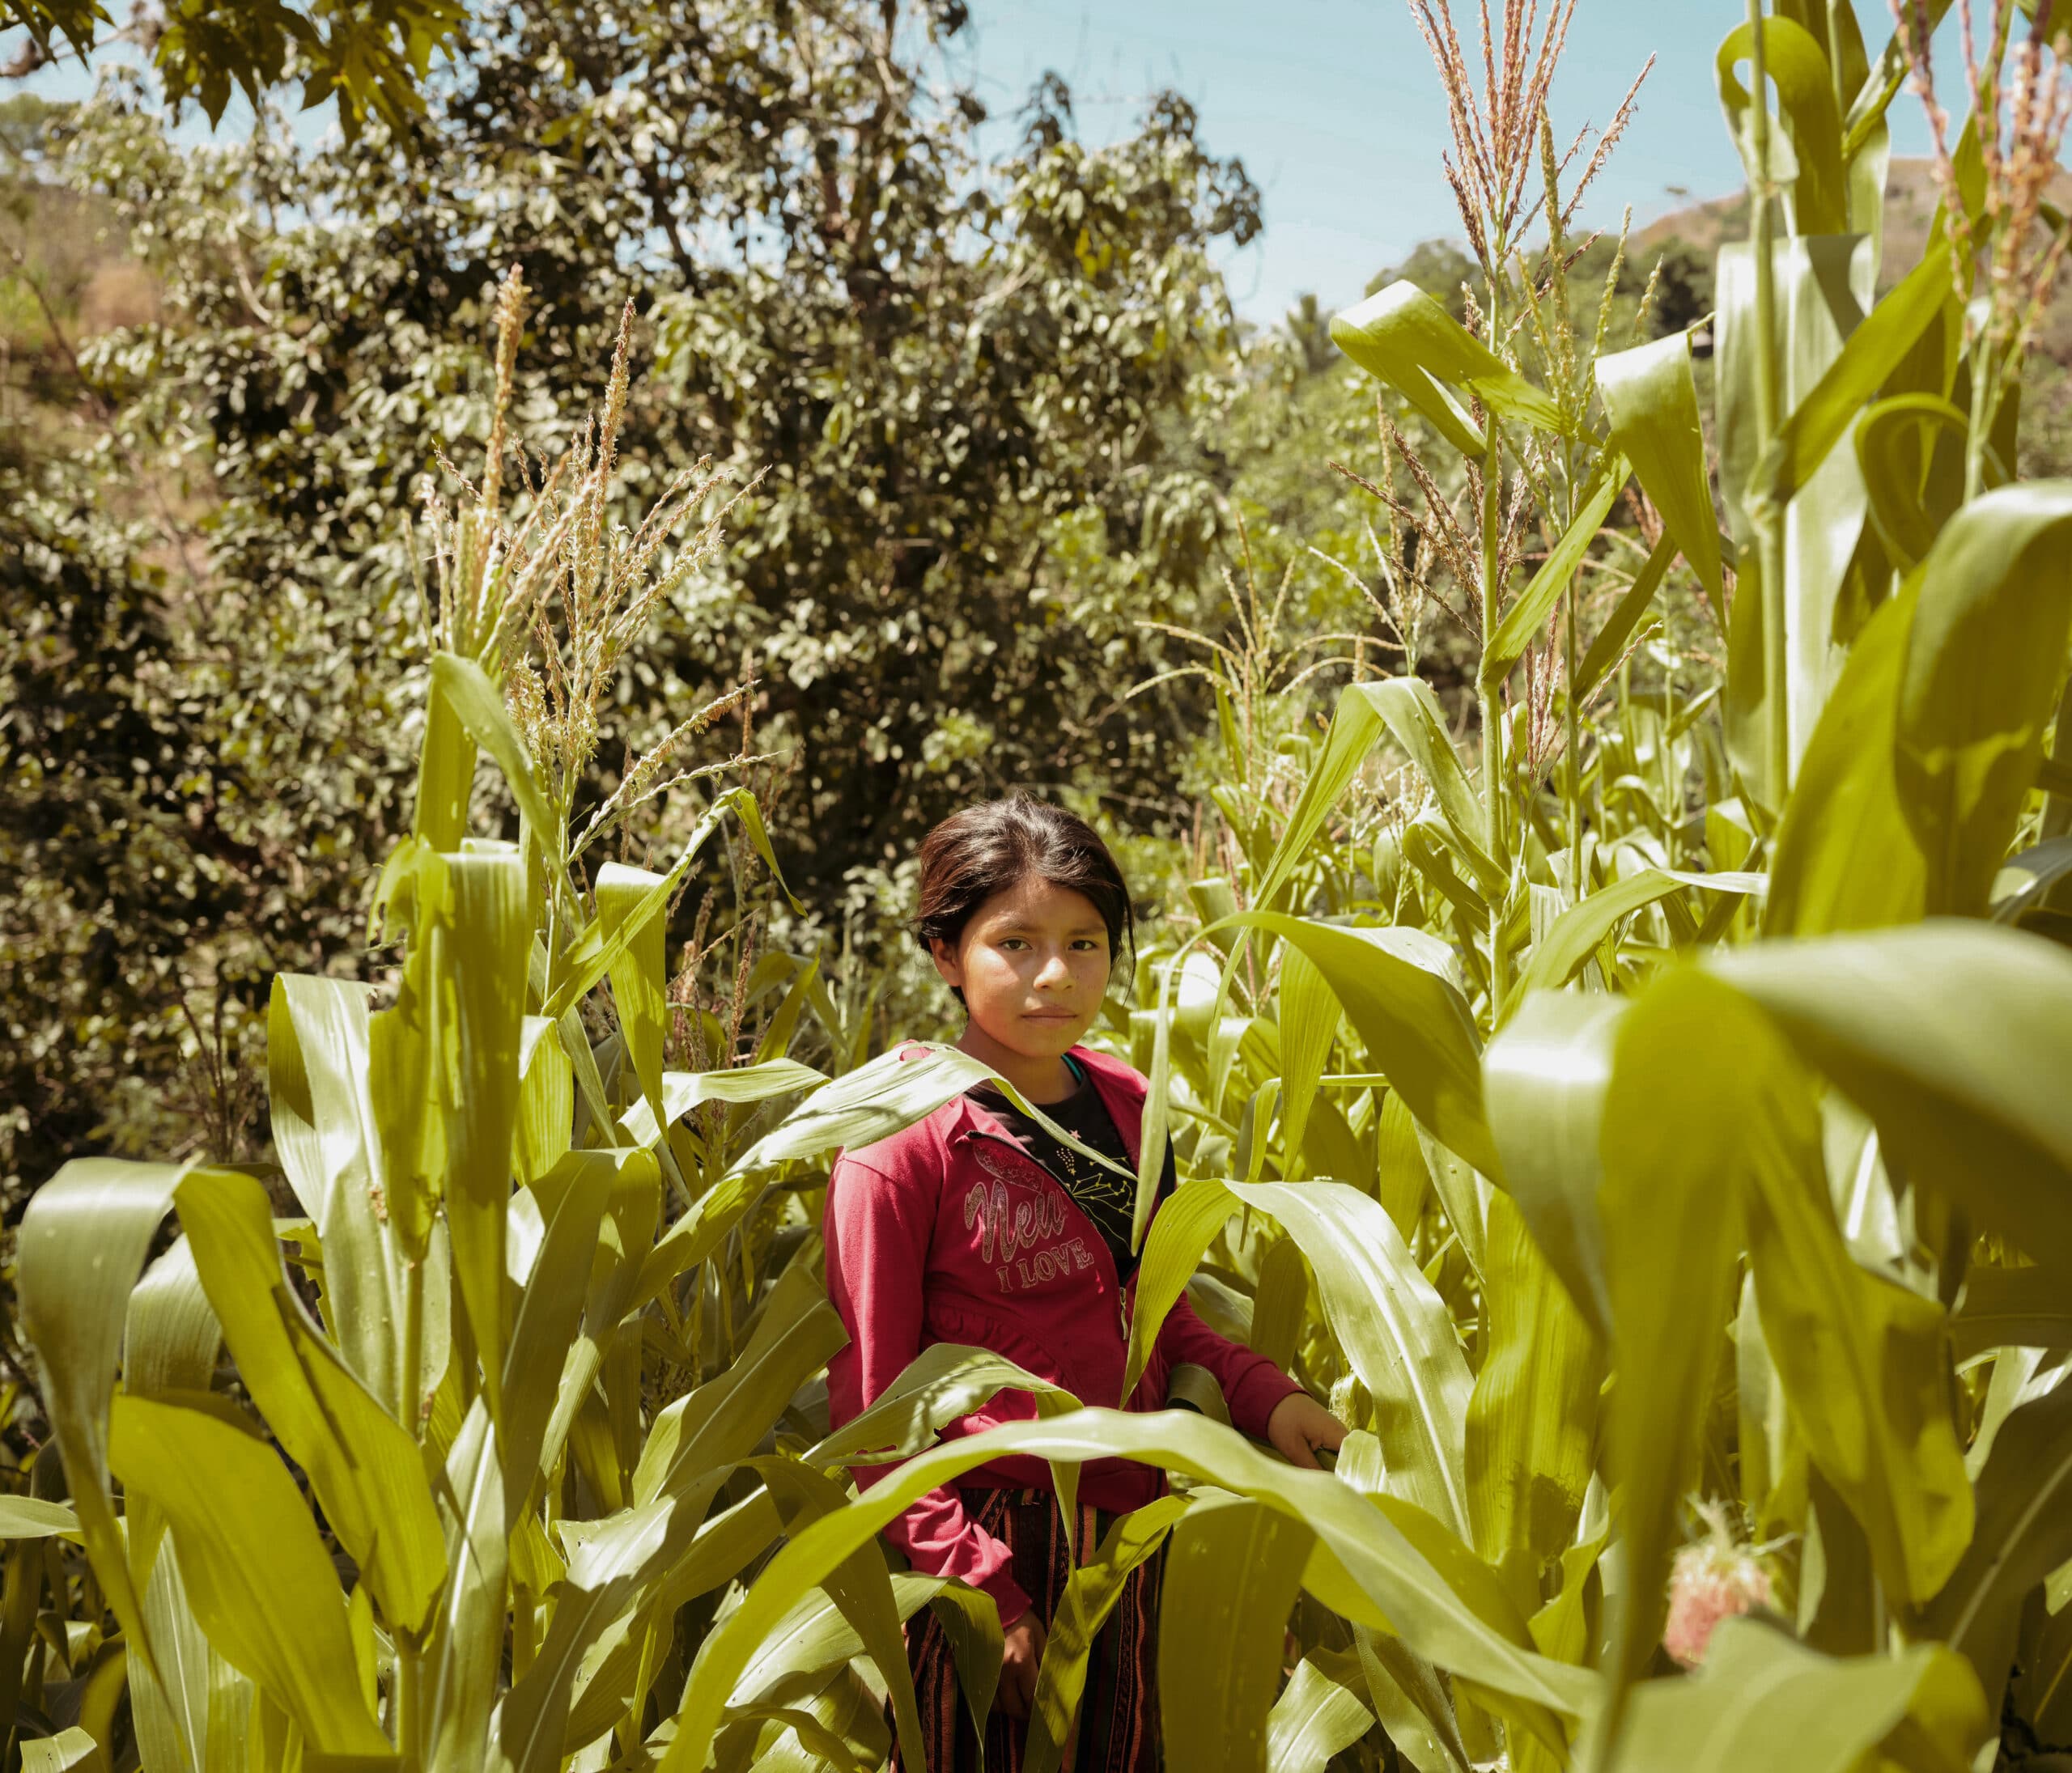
949,1231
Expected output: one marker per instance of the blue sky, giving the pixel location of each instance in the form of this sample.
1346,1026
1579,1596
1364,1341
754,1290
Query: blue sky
1333,108
1336,110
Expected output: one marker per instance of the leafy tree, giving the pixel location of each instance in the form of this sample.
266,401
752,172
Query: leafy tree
983,398
372,55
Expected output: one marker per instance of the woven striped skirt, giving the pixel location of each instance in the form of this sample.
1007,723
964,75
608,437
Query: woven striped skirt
1118,1731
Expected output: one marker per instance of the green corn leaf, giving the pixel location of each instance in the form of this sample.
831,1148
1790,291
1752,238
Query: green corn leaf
1402,1178
683,1091
618,1283
721,1549
1980,682
1412,1701
695,1236
1846,860
463,686
1233,1570
406,1044
1547,1072
2033,880
806,989
721,1421
1651,401
597,950
1280,1302
257,1574
1624,621
2024,1533
605,1571
1315,1718
362,1463
1400,336
172,1722
547,1099
1395,1330
1675,1143
1823,284
971,1622
861,1585
1913,782
326,1131
1798,64
942,1383
1406,709
1307,1014
82,1246
876,1100
1828,411
1387,1583
446,775
492,932
1090,1594
550,1304
1531,1424
69,1749
1556,575
1906,447
1576,934
1816,1714
19,1605
466,1653
812,1634
1394,987
1881,85
820,1747
170,1336
31,1517
1951,1035
640,975
1860,1358
1184,1227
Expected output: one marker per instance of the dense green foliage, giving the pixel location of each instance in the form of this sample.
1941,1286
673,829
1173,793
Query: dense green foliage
1643,1119
979,398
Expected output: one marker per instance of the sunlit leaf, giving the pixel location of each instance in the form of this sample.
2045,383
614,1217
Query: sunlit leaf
1651,402
1395,1330
1816,1714
362,1463
1532,1419
258,1576
1400,336
1314,1718
1231,1571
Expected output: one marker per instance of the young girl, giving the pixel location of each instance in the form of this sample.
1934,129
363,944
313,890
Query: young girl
974,1226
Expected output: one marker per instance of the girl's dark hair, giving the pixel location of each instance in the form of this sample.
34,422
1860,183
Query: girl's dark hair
994,845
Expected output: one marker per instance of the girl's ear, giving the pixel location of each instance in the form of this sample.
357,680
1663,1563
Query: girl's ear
947,963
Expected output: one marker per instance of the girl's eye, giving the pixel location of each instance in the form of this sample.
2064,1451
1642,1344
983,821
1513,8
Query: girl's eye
1014,942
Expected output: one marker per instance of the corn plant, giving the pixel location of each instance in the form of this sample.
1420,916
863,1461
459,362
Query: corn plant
1648,1126
1657,1147
537,1305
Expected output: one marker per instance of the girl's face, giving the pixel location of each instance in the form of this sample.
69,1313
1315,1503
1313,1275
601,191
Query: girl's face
1032,964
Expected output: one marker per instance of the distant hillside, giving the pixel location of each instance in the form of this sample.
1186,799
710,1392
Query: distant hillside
1910,199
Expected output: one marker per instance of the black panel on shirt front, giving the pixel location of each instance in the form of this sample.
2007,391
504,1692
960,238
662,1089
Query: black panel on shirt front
1106,1199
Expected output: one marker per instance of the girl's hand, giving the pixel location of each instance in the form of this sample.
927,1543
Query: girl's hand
1301,1428
1021,1656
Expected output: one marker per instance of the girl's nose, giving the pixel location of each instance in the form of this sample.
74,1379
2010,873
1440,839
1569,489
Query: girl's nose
1053,973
